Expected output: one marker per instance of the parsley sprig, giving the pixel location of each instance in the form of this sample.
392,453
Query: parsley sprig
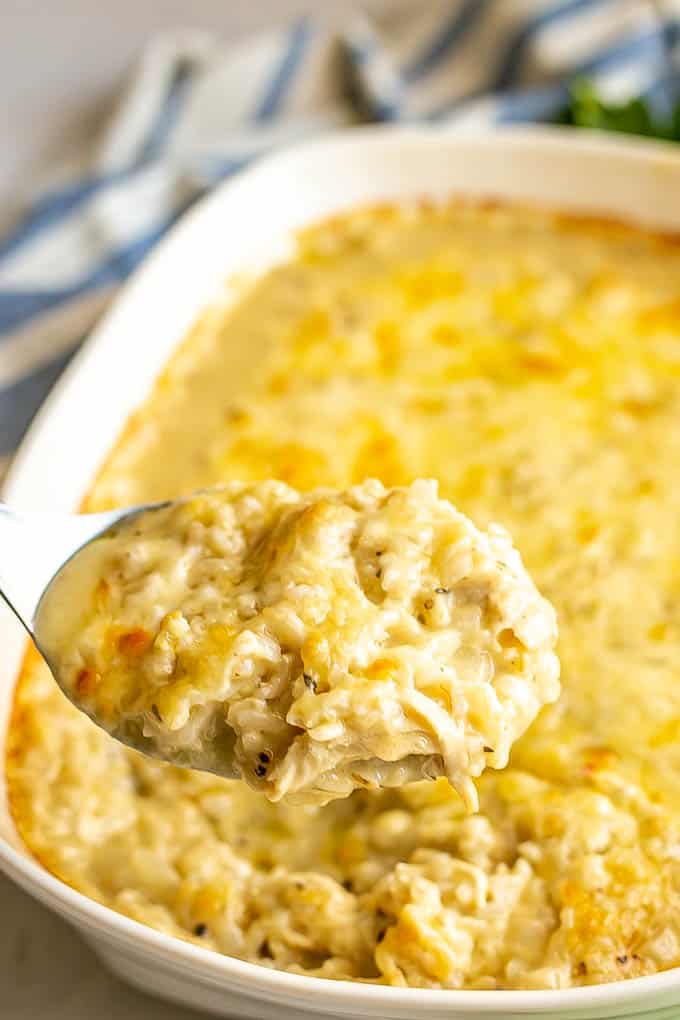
635,117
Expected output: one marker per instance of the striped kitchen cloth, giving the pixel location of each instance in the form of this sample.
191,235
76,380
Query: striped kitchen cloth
197,111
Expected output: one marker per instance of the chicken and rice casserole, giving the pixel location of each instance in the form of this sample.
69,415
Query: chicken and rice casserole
310,644
531,363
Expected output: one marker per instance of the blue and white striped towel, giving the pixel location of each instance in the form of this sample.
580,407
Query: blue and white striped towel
196,111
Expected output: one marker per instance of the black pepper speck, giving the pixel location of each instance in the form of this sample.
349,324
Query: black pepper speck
309,681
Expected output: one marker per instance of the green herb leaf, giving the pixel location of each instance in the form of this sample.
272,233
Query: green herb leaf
587,110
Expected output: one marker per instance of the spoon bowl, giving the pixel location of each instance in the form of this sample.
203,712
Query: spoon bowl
35,547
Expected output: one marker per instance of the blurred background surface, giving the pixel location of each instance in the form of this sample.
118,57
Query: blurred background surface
62,61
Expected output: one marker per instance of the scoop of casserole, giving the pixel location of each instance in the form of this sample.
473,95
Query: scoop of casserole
311,643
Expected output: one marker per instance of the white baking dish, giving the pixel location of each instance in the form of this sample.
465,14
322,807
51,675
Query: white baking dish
247,224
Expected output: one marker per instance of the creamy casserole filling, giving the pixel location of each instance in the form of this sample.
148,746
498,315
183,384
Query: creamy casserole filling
311,644
531,363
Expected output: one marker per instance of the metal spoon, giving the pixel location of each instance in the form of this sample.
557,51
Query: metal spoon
34,547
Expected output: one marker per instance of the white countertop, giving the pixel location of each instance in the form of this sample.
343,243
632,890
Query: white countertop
60,63
47,971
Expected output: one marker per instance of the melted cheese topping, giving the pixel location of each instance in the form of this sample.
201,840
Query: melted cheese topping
530,363
310,644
